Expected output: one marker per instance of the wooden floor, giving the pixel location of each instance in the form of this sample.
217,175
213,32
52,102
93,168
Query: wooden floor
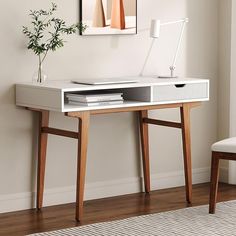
59,217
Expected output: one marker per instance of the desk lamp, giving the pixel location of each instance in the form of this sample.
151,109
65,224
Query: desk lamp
155,33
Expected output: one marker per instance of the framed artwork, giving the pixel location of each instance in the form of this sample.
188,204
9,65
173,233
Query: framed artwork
109,17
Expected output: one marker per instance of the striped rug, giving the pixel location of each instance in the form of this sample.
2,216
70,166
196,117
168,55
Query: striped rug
194,221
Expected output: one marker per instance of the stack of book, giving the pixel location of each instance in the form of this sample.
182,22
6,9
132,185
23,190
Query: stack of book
95,99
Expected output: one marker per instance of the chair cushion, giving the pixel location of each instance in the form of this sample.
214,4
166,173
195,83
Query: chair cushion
226,145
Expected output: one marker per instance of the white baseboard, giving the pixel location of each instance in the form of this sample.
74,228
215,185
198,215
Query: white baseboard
23,201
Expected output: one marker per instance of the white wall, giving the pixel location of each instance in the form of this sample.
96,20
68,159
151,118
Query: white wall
232,113
224,67
113,157
225,19
233,72
226,83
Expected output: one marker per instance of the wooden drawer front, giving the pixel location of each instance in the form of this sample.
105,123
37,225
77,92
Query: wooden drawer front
180,92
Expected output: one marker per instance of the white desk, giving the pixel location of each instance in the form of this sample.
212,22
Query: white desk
148,94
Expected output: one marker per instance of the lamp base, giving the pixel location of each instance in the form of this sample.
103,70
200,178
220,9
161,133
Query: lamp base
167,77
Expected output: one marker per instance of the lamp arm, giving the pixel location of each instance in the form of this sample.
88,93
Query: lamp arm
175,22
147,57
155,29
184,22
179,44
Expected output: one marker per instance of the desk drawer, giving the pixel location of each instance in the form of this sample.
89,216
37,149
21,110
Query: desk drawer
179,92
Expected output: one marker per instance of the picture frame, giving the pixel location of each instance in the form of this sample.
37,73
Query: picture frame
109,17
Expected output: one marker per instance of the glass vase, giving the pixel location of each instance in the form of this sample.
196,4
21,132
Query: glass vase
39,76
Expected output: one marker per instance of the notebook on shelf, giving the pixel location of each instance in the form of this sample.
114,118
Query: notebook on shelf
94,97
88,104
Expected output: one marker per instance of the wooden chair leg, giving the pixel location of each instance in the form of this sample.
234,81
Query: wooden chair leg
185,121
81,168
145,149
214,182
42,150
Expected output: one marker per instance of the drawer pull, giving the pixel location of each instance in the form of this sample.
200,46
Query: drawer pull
179,85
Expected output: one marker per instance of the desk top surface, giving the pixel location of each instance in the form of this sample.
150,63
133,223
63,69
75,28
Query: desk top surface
50,95
68,85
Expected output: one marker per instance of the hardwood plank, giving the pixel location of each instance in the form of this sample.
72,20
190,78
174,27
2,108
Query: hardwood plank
62,216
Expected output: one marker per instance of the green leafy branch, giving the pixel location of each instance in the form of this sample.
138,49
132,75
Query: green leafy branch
46,32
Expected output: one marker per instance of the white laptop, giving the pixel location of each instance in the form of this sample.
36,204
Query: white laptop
124,80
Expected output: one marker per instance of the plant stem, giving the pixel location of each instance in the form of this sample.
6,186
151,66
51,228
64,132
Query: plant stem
44,56
40,70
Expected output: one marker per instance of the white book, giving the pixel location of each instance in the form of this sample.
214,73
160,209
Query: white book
94,97
95,103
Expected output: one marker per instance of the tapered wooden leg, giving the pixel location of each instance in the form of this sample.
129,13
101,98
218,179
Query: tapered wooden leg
42,150
185,121
214,183
145,149
82,156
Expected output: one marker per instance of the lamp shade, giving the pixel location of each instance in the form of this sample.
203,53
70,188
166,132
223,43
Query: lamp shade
155,28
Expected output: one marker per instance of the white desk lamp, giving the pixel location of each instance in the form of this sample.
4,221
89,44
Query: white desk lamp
155,33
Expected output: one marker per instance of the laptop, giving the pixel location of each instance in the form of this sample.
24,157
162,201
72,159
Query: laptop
124,80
